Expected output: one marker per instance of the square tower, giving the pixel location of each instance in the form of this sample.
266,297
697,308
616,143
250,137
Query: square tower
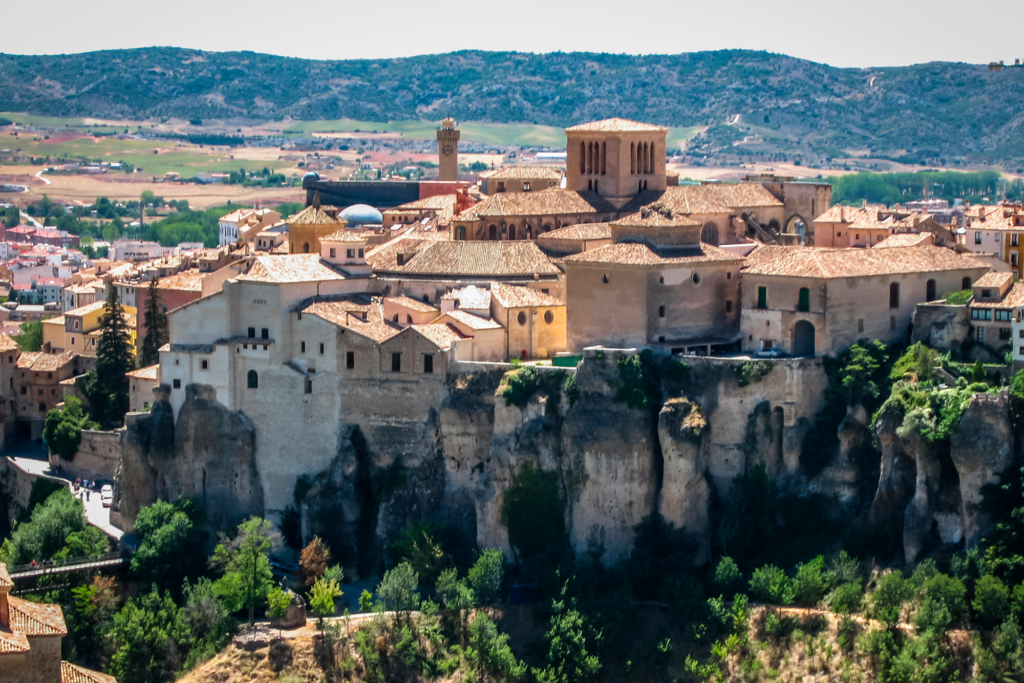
448,150
616,158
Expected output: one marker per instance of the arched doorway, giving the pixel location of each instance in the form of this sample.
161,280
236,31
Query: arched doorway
929,293
803,339
797,226
492,232
709,234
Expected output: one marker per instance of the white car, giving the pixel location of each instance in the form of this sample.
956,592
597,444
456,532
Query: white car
107,495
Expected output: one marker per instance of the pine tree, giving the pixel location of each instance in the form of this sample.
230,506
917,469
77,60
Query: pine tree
156,328
107,383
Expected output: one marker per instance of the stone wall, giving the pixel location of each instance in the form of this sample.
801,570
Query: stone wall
96,458
940,326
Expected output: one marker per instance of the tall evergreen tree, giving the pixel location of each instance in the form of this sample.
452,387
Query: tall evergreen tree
107,383
156,328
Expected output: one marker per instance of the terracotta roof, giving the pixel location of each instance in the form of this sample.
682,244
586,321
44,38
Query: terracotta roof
447,257
905,239
525,173
71,673
1013,299
314,215
343,236
583,231
839,214
470,297
289,269
511,296
88,308
440,334
553,201
839,263
348,314
43,362
409,302
190,280
5,576
11,642
993,280
59,320
36,619
640,254
656,216
437,202
614,125
237,215
148,372
8,344
474,322
995,218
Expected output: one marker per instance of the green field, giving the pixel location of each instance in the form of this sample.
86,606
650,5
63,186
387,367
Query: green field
521,134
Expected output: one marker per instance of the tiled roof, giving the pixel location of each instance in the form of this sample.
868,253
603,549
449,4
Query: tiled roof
314,215
474,322
553,201
190,280
441,334
409,302
88,308
289,269
347,314
471,296
11,642
994,280
839,214
583,231
36,619
237,215
5,576
639,254
8,344
706,199
71,673
344,236
511,296
905,239
148,372
59,320
614,125
447,257
838,263
663,218
995,218
1013,299
525,173
43,362
438,202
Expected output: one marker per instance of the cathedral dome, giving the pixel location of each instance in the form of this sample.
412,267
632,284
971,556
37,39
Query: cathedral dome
312,175
361,214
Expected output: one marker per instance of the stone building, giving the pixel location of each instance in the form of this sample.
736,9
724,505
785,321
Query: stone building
10,352
995,304
816,301
574,239
804,200
520,179
30,640
78,331
38,378
307,227
448,150
657,285
141,384
615,158
997,231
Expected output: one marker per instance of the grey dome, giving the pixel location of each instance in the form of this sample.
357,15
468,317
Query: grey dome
312,175
362,214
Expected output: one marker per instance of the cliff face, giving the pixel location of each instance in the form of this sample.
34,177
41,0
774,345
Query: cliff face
613,467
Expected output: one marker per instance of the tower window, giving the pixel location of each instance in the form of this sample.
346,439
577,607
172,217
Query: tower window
661,311
428,364
396,362
350,360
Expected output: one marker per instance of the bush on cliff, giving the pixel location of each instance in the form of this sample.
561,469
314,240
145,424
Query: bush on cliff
171,538
63,429
532,512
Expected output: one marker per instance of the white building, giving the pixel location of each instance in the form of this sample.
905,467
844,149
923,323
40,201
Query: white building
131,250
245,223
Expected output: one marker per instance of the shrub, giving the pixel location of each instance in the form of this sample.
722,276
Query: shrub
727,575
63,429
810,585
486,576
889,597
991,602
847,598
771,585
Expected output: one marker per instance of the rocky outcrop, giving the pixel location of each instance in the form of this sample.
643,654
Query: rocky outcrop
981,449
685,493
209,453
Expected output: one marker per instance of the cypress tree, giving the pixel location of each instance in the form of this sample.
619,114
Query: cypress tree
156,328
108,385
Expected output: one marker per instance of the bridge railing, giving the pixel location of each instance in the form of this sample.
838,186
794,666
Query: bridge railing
65,563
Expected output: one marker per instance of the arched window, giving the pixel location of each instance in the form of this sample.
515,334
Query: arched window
709,234
460,232
604,157
583,157
253,380
894,295
492,232
395,318
632,158
305,247
590,157
408,318
512,232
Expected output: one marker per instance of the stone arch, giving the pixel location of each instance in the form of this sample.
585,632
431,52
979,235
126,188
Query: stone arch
709,234
965,283
796,225
803,338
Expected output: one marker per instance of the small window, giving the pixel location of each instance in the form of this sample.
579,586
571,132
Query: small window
321,348
549,317
1005,334
350,253
253,380
308,386
1013,259
42,407
396,362
894,295
177,384
661,280
204,364
408,318
460,232
728,276
986,294
302,347
24,390
977,238
394,318
428,364
350,360
661,311
361,252
1021,334
334,253
605,279
1013,239
728,306
526,187
762,297
252,333
521,318
981,334
264,333
696,278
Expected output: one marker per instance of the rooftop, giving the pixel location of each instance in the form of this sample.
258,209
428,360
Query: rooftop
189,280
36,618
511,296
71,673
583,231
466,258
1014,297
474,322
348,314
87,309
314,215
614,125
524,173
840,263
906,239
344,236
410,303
441,334
473,297
640,254
289,268
148,372
549,202
43,362
7,344
706,199
994,280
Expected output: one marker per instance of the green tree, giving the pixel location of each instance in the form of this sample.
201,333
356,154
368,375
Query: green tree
847,598
493,657
107,384
245,561
278,602
207,619
110,233
944,601
887,601
321,599
31,337
770,584
810,583
728,578
991,602
149,637
63,428
572,646
486,576
156,327
54,524
419,545
398,588
170,541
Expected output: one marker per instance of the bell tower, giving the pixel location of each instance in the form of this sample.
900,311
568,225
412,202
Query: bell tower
448,150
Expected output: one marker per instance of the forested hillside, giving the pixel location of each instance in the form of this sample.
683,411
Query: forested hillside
786,105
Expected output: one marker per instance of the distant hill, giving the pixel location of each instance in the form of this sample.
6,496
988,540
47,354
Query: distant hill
927,113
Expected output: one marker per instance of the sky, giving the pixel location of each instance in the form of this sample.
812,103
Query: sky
852,33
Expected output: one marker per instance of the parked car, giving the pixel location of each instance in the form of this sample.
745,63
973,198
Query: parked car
107,494
768,353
